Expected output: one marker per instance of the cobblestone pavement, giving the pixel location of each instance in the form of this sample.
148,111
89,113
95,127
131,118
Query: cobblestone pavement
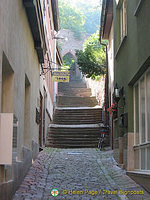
78,174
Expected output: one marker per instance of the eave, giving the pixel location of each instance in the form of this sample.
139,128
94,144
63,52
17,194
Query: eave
55,14
34,15
106,18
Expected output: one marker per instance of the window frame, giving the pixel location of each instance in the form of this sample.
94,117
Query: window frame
142,145
123,19
122,29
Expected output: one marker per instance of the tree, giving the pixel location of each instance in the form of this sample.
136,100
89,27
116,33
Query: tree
68,60
89,10
71,18
92,60
92,16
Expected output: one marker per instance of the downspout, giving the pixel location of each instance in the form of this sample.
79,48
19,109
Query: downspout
106,104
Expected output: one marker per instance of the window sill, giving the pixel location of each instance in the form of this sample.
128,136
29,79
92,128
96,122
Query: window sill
141,145
121,44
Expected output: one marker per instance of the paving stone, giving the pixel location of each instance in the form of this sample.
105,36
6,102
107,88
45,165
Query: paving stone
84,174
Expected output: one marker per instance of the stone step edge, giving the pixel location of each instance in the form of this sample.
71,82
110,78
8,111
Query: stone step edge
76,126
76,97
77,108
71,145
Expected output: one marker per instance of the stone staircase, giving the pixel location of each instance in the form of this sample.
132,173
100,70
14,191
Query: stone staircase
75,94
77,115
77,122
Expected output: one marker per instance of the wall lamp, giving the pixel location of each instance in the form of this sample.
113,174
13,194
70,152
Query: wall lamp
118,94
58,37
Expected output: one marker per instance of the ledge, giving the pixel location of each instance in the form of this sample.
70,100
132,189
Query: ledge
141,177
141,145
121,44
139,6
139,173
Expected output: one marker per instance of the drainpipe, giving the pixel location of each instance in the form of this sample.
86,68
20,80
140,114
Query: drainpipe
106,80
106,105
54,83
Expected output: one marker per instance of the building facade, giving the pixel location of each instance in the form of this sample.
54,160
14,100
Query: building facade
27,48
132,75
106,33
48,89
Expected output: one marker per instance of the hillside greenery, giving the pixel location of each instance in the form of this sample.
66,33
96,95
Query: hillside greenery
71,18
92,59
79,16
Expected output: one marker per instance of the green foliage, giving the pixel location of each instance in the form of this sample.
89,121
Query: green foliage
71,18
92,60
69,62
92,17
64,67
80,16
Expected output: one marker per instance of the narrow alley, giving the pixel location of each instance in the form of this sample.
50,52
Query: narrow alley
78,174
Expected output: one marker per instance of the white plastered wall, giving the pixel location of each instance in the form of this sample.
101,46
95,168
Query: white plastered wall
16,42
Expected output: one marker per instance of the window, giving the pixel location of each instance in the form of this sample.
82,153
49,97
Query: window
121,24
142,122
123,20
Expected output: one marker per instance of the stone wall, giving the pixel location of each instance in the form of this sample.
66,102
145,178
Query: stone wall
17,172
70,44
97,89
120,151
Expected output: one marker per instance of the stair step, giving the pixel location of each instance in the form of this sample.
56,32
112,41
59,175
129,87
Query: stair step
85,126
68,137
76,122
81,92
71,85
55,132
74,140
66,101
66,89
71,145
71,94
